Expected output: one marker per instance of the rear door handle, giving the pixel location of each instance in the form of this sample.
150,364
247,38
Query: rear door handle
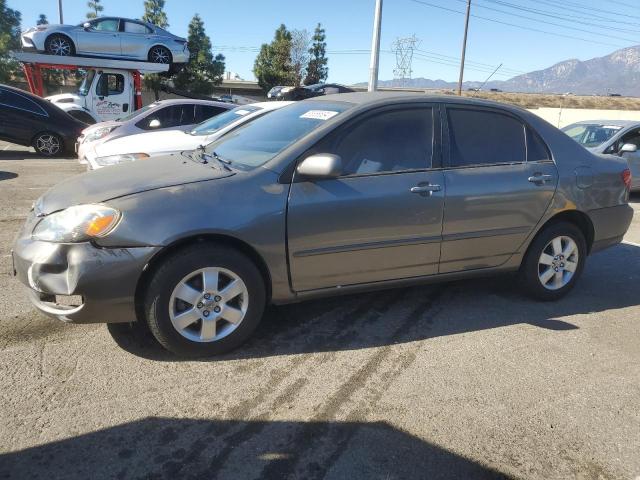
539,178
425,189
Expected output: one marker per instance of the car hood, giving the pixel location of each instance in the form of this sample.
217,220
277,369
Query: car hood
126,179
151,143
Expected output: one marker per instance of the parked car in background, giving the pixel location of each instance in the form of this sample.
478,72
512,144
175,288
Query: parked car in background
308,91
29,120
112,37
331,195
145,145
180,114
614,137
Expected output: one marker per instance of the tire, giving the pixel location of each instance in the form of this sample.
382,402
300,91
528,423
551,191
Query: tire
200,325
60,45
160,54
49,144
536,269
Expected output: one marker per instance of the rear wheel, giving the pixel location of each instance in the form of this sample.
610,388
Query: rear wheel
59,45
159,54
204,300
554,261
48,144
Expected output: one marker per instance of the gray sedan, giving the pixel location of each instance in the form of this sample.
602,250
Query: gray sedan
109,37
614,137
333,195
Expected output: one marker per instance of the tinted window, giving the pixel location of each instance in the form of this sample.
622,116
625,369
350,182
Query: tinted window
133,27
205,112
110,84
591,135
20,102
536,149
386,142
167,116
107,25
478,137
632,137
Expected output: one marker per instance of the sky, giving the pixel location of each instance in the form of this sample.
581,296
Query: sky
564,29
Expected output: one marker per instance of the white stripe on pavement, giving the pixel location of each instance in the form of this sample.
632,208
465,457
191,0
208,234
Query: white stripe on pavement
631,243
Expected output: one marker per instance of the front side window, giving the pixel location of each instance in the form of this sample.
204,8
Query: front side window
632,137
257,142
20,102
481,137
391,141
106,25
110,84
168,117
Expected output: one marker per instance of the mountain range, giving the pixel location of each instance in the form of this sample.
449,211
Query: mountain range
618,72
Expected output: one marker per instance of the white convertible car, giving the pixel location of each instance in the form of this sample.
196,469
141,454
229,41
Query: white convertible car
150,144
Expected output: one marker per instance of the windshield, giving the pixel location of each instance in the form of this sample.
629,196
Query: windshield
219,121
259,141
137,112
85,86
591,135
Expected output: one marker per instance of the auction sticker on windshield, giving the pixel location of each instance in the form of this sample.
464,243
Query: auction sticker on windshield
319,114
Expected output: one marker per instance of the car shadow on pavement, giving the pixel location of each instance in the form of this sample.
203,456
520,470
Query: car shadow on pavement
7,175
611,280
162,448
28,155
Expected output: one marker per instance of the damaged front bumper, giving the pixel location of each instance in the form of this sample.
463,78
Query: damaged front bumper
81,282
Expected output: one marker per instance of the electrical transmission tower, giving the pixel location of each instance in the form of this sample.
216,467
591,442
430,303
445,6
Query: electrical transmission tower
403,48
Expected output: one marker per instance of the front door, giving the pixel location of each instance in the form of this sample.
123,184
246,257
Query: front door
102,38
111,95
382,218
500,180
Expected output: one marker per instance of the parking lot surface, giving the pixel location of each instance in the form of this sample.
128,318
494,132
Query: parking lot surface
466,379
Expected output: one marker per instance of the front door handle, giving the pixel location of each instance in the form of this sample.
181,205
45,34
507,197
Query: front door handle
539,178
425,189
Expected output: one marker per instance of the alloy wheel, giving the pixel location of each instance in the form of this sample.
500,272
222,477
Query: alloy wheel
159,55
558,263
208,304
48,144
60,46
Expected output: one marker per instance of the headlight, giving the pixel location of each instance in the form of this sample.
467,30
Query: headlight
115,159
77,224
97,134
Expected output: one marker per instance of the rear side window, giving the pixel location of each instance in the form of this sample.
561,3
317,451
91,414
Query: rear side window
391,141
205,112
134,27
536,149
20,102
480,137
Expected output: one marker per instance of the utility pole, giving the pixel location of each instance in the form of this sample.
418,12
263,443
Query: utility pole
60,11
464,47
375,48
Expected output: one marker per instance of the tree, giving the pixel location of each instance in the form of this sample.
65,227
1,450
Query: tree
299,55
317,70
95,9
154,13
203,71
9,40
273,64
42,20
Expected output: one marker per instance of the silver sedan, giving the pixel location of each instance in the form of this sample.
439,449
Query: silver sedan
109,37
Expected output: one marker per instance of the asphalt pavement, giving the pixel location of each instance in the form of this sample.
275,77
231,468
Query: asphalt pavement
466,379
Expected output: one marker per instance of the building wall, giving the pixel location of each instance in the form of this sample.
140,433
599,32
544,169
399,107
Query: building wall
566,116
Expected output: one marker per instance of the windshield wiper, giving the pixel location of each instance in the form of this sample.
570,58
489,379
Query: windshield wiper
204,156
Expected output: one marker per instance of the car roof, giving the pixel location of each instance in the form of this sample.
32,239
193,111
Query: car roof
215,103
617,123
269,105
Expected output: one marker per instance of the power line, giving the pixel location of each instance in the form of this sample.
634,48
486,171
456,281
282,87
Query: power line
573,37
597,16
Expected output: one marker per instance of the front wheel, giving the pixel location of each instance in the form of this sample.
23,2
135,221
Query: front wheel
554,261
59,45
204,300
48,144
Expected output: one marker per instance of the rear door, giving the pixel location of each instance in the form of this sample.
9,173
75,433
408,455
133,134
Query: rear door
135,39
103,38
499,179
382,218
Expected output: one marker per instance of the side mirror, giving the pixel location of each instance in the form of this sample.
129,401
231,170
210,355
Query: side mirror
86,25
155,123
323,165
628,148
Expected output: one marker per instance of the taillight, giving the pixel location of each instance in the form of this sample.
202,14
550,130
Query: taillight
626,178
